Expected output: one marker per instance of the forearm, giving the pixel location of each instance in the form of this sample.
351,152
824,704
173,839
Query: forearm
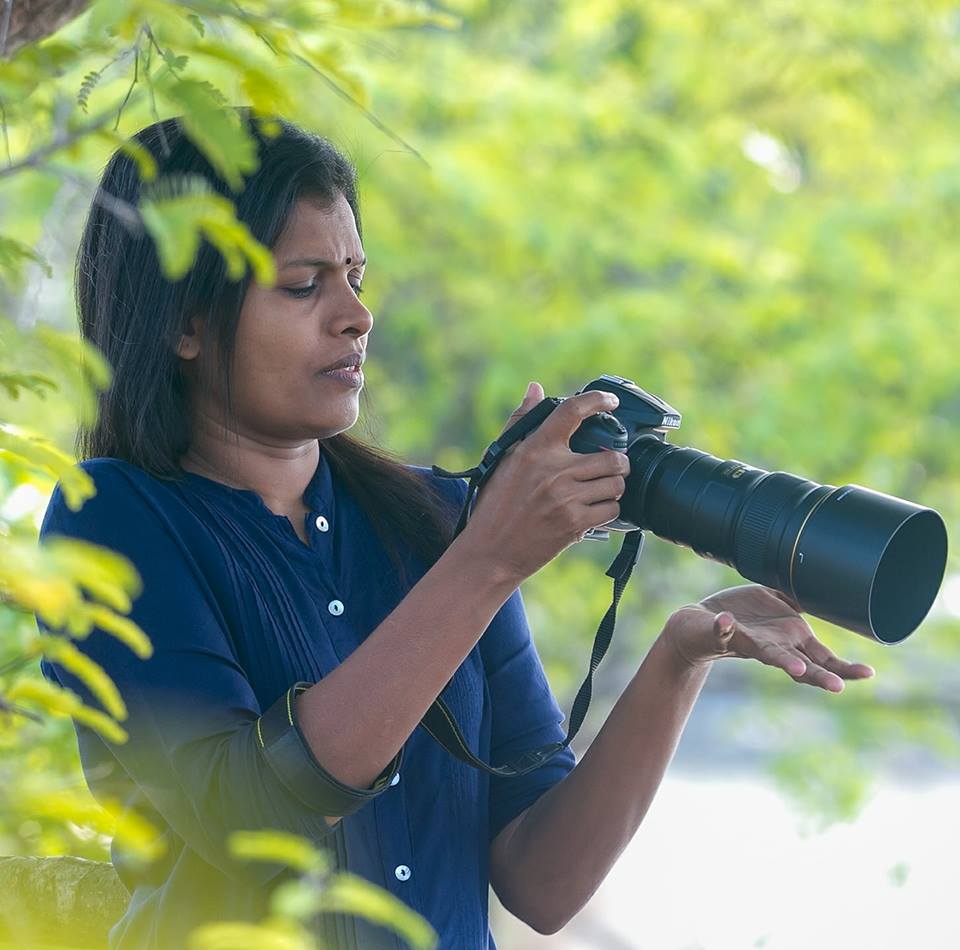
595,811
357,717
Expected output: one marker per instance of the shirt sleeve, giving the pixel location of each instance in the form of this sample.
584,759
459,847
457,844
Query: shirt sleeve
196,745
525,714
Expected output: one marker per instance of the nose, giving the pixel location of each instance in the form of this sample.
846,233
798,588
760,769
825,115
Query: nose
356,318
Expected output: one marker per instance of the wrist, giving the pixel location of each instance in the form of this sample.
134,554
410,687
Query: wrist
685,660
485,566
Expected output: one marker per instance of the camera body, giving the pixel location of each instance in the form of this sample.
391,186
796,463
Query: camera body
640,414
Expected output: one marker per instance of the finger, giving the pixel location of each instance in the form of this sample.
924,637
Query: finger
784,658
821,654
599,465
601,489
768,652
599,514
532,397
800,668
567,417
534,393
816,675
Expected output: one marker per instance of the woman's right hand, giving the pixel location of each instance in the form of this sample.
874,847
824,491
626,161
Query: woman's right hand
543,496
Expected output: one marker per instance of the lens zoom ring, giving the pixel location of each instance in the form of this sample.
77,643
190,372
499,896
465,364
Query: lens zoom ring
751,537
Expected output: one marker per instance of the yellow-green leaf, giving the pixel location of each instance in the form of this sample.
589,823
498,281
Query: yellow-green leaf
66,654
279,846
349,894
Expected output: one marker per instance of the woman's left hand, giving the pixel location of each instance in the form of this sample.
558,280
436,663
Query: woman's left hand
763,624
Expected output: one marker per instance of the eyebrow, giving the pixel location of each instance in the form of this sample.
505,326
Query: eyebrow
317,262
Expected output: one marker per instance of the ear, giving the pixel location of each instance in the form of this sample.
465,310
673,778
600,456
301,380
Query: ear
189,346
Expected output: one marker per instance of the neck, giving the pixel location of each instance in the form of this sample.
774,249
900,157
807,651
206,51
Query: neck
279,475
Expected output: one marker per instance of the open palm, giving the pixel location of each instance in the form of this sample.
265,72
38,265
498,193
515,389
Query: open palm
764,624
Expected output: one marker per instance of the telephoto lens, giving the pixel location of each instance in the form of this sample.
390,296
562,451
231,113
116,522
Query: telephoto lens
866,561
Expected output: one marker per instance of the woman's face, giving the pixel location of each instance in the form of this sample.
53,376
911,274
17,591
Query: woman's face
289,332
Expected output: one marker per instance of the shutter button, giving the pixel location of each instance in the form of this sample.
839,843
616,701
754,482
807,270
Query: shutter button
335,607
402,872
322,523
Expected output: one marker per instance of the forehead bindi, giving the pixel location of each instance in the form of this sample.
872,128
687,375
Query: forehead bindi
321,238
321,262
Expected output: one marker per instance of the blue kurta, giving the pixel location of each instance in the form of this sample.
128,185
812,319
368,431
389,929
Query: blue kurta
238,609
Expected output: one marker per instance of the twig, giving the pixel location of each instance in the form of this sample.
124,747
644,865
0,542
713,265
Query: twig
6,707
136,72
247,20
125,212
152,38
35,159
148,79
340,91
16,663
6,138
7,11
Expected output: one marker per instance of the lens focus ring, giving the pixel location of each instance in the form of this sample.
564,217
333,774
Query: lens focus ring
751,535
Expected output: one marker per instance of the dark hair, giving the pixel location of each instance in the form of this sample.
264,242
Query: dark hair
135,317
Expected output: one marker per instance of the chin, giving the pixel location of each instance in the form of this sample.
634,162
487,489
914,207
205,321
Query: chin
330,427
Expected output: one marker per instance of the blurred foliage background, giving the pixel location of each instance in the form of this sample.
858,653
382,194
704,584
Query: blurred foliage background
751,210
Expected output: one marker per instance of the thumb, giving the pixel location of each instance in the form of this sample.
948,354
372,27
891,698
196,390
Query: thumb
532,397
724,623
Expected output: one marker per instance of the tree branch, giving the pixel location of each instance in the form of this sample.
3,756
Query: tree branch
63,140
26,21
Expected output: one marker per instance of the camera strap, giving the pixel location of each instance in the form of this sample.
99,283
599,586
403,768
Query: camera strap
438,720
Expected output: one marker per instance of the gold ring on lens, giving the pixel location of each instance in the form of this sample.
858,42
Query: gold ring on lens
796,543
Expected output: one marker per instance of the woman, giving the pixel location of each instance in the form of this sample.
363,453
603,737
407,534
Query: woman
306,603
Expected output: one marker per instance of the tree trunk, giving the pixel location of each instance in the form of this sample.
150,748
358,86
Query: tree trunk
31,20
66,901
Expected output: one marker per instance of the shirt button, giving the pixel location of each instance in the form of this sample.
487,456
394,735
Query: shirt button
395,780
335,607
322,523
401,872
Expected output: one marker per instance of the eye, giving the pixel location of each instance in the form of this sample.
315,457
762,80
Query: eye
300,292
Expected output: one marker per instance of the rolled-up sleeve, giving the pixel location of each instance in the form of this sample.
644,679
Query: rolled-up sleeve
204,754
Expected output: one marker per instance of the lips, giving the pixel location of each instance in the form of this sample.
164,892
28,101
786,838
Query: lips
350,361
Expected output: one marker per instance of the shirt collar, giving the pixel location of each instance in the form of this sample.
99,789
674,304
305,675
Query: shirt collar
317,495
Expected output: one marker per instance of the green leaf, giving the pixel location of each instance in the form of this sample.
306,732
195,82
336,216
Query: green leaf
283,847
349,894
62,651
197,22
299,898
58,701
178,211
108,817
111,15
34,382
214,128
31,449
176,63
235,935
87,86
13,253
145,162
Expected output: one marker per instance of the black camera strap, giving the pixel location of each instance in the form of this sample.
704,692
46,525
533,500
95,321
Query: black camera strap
439,721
